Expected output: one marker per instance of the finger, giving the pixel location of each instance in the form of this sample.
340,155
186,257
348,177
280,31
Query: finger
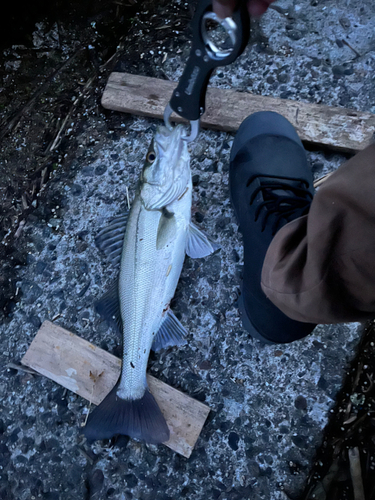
223,8
258,7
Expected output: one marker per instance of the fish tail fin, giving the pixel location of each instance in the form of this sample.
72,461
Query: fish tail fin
140,419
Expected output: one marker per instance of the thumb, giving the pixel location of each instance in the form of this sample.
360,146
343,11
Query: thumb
223,8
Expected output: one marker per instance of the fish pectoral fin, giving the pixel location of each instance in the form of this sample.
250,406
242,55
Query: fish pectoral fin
199,244
108,306
110,239
167,229
170,333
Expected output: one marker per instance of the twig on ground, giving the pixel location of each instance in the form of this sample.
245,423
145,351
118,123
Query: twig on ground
320,181
355,425
114,56
71,111
19,229
127,197
21,368
350,47
371,384
357,376
87,457
356,474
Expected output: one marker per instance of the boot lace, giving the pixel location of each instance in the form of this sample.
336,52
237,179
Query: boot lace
283,199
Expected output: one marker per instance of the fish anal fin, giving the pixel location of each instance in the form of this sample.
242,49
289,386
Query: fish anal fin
199,244
170,333
108,306
139,419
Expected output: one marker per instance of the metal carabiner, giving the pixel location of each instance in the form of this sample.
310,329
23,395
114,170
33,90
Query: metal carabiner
188,99
194,124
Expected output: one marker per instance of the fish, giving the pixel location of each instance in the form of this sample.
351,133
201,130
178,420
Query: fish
149,244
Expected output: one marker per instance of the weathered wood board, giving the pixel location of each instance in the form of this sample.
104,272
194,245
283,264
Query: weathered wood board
341,129
91,373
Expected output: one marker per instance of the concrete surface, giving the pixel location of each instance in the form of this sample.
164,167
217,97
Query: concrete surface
269,403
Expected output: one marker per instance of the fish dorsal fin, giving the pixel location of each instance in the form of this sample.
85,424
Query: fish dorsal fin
199,244
170,333
108,306
110,239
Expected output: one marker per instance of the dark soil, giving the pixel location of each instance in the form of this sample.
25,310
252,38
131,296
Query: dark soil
351,427
52,92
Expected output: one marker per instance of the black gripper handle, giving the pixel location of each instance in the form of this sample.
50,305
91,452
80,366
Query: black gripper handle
188,99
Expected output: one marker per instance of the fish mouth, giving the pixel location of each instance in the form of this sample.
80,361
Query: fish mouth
166,139
170,149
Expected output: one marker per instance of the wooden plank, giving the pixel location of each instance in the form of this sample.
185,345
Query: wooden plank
91,373
319,125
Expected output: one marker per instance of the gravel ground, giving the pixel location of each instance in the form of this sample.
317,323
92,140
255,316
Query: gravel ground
269,404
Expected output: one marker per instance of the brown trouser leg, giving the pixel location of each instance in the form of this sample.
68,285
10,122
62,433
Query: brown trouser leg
320,268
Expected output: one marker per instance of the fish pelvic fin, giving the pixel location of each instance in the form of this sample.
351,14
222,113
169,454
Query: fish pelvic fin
198,244
108,306
171,333
139,419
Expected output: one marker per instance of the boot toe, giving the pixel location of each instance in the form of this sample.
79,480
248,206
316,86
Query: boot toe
261,123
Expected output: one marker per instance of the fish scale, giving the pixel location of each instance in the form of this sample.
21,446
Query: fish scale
136,288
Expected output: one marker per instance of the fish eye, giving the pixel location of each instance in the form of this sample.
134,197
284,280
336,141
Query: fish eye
151,157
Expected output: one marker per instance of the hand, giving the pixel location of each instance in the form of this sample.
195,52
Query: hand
225,8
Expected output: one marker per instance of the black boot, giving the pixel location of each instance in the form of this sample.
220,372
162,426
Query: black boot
270,185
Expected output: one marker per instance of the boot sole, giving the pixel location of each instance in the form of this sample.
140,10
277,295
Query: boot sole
247,324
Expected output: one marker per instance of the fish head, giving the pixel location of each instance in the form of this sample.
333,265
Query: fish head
166,171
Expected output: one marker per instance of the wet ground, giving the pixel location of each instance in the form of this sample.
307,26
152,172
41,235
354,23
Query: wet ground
65,165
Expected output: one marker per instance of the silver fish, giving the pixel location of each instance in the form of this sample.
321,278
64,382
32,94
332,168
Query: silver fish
158,233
